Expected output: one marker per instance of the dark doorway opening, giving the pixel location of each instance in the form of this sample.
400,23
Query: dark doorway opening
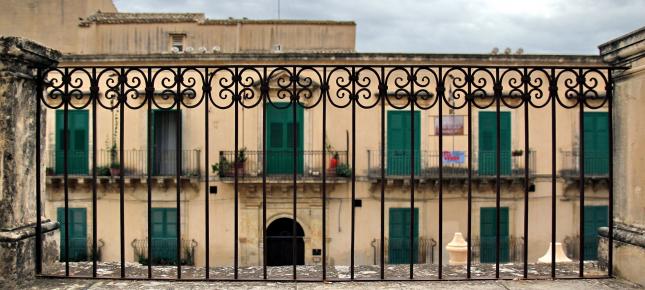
280,243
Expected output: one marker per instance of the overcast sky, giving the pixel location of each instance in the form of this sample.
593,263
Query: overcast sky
427,26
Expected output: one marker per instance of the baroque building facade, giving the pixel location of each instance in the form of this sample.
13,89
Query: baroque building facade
89,37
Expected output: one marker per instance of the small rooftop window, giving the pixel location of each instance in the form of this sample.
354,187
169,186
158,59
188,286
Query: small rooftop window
177,42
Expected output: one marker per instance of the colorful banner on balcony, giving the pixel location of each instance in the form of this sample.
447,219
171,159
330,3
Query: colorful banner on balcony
452,125
453,157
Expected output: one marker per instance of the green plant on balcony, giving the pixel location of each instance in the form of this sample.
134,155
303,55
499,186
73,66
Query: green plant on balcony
102,171
189,254
343,170
241,155
223,167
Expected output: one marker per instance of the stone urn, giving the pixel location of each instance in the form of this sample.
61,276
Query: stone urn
457,250
560,256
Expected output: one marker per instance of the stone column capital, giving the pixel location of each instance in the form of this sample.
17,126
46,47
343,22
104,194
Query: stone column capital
20,54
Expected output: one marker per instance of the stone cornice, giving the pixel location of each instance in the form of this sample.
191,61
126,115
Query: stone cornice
20,50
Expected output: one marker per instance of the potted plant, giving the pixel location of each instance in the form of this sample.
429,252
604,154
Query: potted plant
333,163
215,168
343,170
115,169
103,171
518,152
241,161
49,171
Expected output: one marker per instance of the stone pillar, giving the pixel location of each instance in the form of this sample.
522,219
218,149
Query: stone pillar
18,87
629,158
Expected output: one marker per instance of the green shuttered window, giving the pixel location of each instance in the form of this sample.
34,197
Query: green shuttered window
77,142
77,233
399,128
399,236
488,235
596,141
488,143
280,139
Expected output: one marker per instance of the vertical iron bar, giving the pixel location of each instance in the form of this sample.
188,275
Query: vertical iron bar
383,95
498,96
553,91
581,180
66,100
440,95
39,229
264,97
352,204
149,96
236,99
178,167
412,155
294,126
94,94
324,176
121,169
610,97
206,95
527,97
470,174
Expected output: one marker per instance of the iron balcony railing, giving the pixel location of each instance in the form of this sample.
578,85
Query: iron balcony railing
596,164
396,250
358,90
280,164
164,251
398,164
511,249
80,250
135,163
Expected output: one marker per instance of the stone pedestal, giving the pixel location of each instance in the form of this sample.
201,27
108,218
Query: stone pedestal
457,250
560,256
18,58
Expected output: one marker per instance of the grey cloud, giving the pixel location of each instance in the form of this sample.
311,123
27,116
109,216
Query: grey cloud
458,26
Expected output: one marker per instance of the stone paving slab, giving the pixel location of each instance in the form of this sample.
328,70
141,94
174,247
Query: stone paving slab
337,272
582,284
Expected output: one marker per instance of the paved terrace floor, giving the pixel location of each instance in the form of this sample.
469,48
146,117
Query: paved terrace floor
595,284
314,272
507,271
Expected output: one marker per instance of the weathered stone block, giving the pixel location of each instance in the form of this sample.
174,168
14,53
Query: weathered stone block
18,99
629,251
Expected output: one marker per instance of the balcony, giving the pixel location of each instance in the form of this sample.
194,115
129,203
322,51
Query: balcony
455,166
135,165
596,165
280,166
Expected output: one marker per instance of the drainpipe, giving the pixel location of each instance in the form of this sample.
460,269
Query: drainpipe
373,243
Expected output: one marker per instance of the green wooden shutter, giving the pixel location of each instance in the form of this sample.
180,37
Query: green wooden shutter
596,141
280,139
164,236
77,145
488,235
398,142
488,143
399,236
77,233
595,217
